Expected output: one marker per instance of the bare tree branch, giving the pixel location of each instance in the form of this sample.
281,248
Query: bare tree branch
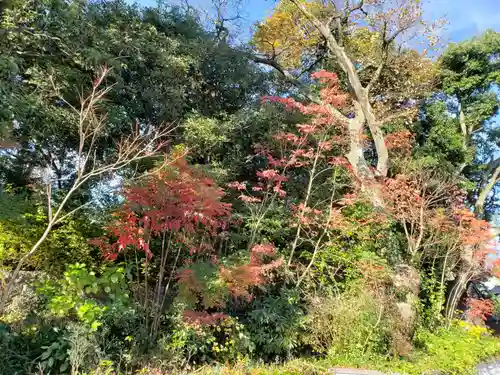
410,112
319,59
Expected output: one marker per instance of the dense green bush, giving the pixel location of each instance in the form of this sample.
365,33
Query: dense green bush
354,323
88,312
276,323
67,243
224,340
85,296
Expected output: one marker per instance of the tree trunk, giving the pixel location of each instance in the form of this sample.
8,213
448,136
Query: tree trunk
407,282
465,134
377,135
361,100
457,290
459,286
358,92
356,158
485,188
356,150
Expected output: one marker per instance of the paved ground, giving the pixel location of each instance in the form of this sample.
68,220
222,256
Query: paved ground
489,369
492,368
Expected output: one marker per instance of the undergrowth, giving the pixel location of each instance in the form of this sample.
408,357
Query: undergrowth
456,350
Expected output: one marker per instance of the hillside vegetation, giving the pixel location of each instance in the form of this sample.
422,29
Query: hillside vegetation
174,200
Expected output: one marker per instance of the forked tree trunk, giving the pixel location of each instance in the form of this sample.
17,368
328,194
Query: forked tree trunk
358,92
457,290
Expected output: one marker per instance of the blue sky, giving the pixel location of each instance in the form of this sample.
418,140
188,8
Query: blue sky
466,17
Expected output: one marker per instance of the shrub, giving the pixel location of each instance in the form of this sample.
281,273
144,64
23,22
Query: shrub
66,243
85,295
496,308
453,351
21,349
458,348
448,351
207,337
352,323
275,323
84,305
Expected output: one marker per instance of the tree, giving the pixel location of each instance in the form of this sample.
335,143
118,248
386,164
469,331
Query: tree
470,75
176,218
331,33
163,66
168,214
439,230
89,127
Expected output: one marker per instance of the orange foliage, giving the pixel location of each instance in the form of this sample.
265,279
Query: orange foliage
179,200
472,231
401,142
241,278
479,308
201,318
330,93
403,197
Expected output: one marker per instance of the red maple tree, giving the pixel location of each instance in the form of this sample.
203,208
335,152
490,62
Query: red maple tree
178,199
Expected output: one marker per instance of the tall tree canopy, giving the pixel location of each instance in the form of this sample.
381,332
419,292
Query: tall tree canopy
460,124
471,79
163,66
363,42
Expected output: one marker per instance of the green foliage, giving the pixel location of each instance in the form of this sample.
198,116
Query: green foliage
352,324
471,65
221,294
84,295
441,140
164,66
276,323
205,136
496,308
378,235
55,357
453,351
449,351
470,78
274,227
23,219
21,350
82,315
227,340
433,301
203,285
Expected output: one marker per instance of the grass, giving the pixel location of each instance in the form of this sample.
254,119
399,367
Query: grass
453,351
